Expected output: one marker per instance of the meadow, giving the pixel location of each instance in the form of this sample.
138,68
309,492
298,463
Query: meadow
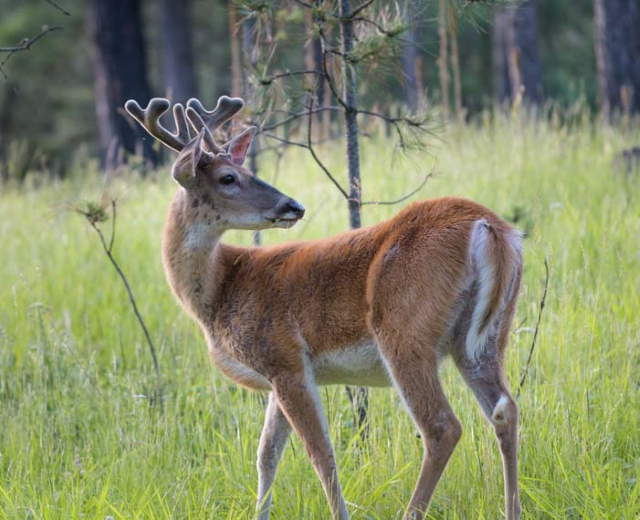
79,437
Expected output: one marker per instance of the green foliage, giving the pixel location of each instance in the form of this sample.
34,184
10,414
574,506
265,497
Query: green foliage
47,101
93,212
79,439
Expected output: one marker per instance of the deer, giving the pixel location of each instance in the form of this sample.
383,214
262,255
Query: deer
377,306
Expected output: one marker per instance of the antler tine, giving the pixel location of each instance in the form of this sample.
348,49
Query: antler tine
225,109
182,127
198,125
200,117
149,119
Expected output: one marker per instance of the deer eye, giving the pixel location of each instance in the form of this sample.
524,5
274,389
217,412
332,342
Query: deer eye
227,179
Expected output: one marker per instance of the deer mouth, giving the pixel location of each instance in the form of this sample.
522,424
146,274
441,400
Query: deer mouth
285,222
286,213
284,219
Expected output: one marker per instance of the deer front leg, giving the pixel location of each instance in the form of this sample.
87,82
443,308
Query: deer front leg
275,433
297,396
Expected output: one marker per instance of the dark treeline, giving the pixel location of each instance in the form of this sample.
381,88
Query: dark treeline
65,94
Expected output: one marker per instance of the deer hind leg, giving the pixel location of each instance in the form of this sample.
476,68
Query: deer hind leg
297,397
414,374
483,373
485,379
275,433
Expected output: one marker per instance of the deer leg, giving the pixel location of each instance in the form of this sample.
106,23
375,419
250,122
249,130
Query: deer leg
416,379
484,377
297,397
275,433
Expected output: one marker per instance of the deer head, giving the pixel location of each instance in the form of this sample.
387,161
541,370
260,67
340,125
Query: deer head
212,175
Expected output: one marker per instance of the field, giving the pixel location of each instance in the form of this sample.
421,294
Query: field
80,439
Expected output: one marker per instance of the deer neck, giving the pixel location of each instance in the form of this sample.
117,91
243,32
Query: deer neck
194,258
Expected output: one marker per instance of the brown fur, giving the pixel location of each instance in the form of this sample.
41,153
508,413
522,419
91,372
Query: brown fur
398,282
406,288
333,292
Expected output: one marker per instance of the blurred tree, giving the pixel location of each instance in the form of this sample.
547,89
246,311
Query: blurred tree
617,28
234,48
452,24
119,65
313,62
49,100
347,40
177,50
443,56
516,61
412,58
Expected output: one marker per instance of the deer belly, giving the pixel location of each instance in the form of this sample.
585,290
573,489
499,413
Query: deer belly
358,364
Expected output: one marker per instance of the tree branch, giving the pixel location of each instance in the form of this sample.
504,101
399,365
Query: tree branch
58,7
317,159
401,199
95,215
359,9
284,141
270,79
298,115
24,45
535,334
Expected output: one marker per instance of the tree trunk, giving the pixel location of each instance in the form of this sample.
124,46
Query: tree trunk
455,68
443,59
177,50
411,60
7,103
516,61
250,52
617,25
350,116
119,65
236,62
361,400
500,69
313,61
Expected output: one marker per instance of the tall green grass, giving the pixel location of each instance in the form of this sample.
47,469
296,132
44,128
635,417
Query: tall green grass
78,438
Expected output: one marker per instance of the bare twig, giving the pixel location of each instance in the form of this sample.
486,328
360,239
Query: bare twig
535,334
359,9
317,159
304,4
113,225
284,141
58,7
328,77
270,79
94,216
401,199
24,45
375,24
298,115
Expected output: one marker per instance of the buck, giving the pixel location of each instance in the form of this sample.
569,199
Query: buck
377,306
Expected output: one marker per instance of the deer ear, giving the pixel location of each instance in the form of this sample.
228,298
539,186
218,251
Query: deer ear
185,166
238,147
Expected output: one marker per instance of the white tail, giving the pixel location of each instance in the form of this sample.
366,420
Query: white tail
490,273
379,306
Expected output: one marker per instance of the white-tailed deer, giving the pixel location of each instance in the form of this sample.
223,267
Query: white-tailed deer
376,306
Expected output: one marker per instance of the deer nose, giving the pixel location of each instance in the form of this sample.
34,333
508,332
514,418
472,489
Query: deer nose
292,206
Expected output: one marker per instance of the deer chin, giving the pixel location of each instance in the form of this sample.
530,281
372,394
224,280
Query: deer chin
284,223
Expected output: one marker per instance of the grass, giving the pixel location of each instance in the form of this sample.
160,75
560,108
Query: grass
78,438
